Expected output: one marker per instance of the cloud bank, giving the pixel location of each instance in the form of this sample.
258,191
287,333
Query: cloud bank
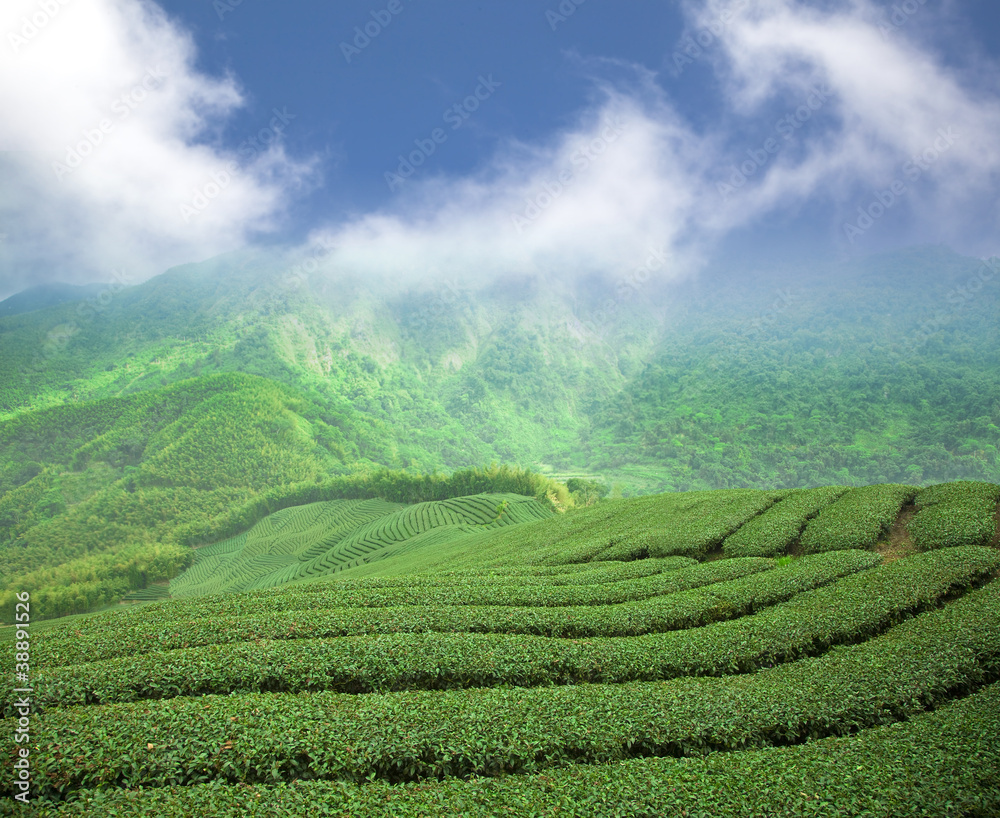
598,198
827,103
113,138
895,116
111,160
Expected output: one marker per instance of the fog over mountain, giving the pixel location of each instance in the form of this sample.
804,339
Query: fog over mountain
582,407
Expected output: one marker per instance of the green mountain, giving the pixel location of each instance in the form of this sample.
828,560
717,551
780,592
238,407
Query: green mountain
104,497
882,370
313,541
184,410
48,295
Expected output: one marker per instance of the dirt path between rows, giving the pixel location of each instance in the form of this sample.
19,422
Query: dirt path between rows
897,543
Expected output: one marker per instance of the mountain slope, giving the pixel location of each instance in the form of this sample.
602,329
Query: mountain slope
881,370
319,539
47,295
887,371
181,410
104,497
101,497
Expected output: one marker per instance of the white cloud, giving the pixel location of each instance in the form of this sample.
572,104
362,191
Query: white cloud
872,99
632,175
598,198
890,101
111,136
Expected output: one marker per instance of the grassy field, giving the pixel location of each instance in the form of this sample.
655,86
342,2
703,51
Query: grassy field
730,653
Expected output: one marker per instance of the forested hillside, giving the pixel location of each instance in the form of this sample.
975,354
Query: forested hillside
882,370
101,498
181,411
889,372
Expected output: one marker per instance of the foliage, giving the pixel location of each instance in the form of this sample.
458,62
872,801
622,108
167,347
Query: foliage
524,669
318,539
685,524
188,408
940,763
808,378
198,461
687,388
428,735
307,615
779,527
586,492
286,432
853,609
857,519
962,513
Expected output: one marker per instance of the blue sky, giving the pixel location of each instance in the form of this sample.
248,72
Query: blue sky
367,106
513,137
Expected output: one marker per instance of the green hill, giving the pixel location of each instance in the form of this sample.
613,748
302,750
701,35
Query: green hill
183,410
106,497
103,497
616,657
879,370
319,539
48,295
886,370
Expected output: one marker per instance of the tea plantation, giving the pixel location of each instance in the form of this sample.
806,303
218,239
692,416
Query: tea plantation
820,652
315,540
